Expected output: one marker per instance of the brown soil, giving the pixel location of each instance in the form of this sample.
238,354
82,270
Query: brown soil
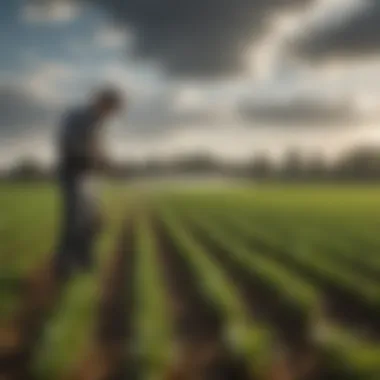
18,338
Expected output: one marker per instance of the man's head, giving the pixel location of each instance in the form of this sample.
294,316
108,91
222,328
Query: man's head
107,101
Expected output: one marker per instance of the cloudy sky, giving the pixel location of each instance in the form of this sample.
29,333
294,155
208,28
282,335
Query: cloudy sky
231,77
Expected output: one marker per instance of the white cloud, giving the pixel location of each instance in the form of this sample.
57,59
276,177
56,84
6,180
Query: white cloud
228,143
33,144
239,143
369,105
47,81
31,101
268,56
325,13
138,82
113,38
188,98
110,38
271,55
58,11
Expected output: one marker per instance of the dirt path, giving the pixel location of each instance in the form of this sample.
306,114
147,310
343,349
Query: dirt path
198,325
109,357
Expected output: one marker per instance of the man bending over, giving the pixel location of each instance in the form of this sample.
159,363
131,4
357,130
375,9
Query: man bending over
80,158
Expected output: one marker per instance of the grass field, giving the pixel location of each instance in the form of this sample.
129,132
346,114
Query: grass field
259,282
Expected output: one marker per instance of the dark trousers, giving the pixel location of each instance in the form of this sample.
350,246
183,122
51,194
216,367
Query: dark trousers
80,225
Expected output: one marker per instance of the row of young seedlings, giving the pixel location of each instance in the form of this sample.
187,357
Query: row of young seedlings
235,333
289,304
334,241
340,352
318,266
280,239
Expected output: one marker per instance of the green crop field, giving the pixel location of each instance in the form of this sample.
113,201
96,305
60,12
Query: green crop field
250,282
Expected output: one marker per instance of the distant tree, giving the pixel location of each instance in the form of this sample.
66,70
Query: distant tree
293,165
27,169
261,167
316,168
153,167
360,164
196,164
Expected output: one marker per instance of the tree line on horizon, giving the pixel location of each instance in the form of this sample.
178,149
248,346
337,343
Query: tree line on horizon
359,164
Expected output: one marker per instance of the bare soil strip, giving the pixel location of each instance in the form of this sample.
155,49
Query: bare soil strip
18,339
199,327
291,326
109,357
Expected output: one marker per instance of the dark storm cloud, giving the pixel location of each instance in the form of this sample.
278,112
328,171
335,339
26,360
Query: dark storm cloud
20,111
195,37
301,113
357,35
